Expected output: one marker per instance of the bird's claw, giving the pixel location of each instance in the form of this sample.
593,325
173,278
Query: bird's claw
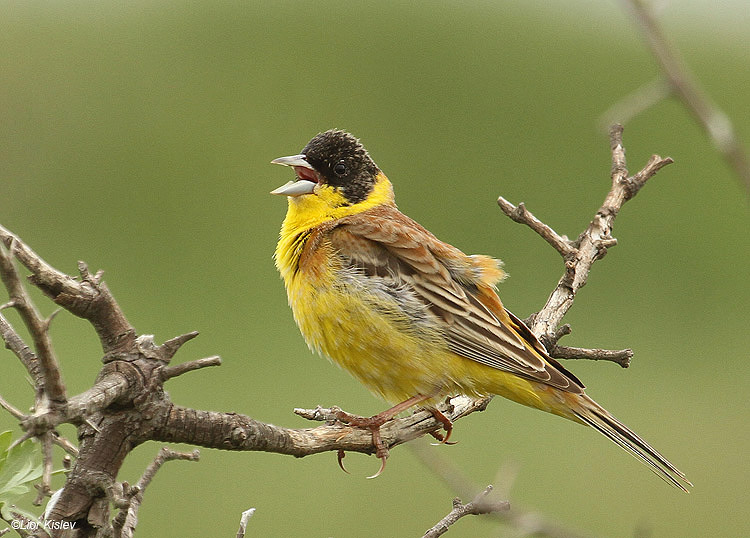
383,459
341,455
442,439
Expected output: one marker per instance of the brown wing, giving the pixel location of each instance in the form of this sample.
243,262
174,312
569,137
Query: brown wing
412,263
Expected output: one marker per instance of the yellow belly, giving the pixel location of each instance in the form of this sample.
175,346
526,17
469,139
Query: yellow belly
364,340
366,336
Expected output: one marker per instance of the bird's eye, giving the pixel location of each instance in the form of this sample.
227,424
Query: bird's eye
340,168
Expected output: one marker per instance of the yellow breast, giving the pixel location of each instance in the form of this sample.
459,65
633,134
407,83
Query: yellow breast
336,312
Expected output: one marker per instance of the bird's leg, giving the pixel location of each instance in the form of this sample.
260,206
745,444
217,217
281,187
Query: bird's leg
374,423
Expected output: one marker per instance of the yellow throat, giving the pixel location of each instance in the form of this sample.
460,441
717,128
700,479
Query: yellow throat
308,211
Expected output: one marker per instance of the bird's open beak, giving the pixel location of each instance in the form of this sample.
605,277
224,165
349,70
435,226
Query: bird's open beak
306,179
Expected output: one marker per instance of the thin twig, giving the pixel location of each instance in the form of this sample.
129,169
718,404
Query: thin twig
636,102
45,488
654,164
168,372
246,515
523,216
171,346
685,86
63,443
165,454
38,327
11,409
56,438
22,439
556,351
479,505
28,358
524,521
126,520
621,357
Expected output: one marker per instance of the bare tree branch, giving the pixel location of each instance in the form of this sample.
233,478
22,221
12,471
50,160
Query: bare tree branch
49,371
44,489
523,216
10,409
685,86
621,356
28,358
89,299
107,390
591,245
172,346
126,520
168,372
233,431
479,505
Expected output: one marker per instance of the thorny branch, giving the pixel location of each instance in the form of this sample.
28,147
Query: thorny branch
127,404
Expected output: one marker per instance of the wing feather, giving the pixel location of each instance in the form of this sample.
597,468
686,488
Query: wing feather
386,244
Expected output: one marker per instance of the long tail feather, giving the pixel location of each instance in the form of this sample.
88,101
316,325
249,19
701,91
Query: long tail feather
594,415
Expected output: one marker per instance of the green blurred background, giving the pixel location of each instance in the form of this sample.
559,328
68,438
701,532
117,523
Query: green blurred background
136,136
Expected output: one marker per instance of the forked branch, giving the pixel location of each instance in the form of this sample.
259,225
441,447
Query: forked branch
579,255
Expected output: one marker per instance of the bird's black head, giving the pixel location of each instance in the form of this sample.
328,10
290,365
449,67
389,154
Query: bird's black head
342,162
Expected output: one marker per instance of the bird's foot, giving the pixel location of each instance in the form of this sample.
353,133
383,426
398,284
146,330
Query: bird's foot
373,424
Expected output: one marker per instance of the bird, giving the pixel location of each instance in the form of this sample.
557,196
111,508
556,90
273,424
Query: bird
411,317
